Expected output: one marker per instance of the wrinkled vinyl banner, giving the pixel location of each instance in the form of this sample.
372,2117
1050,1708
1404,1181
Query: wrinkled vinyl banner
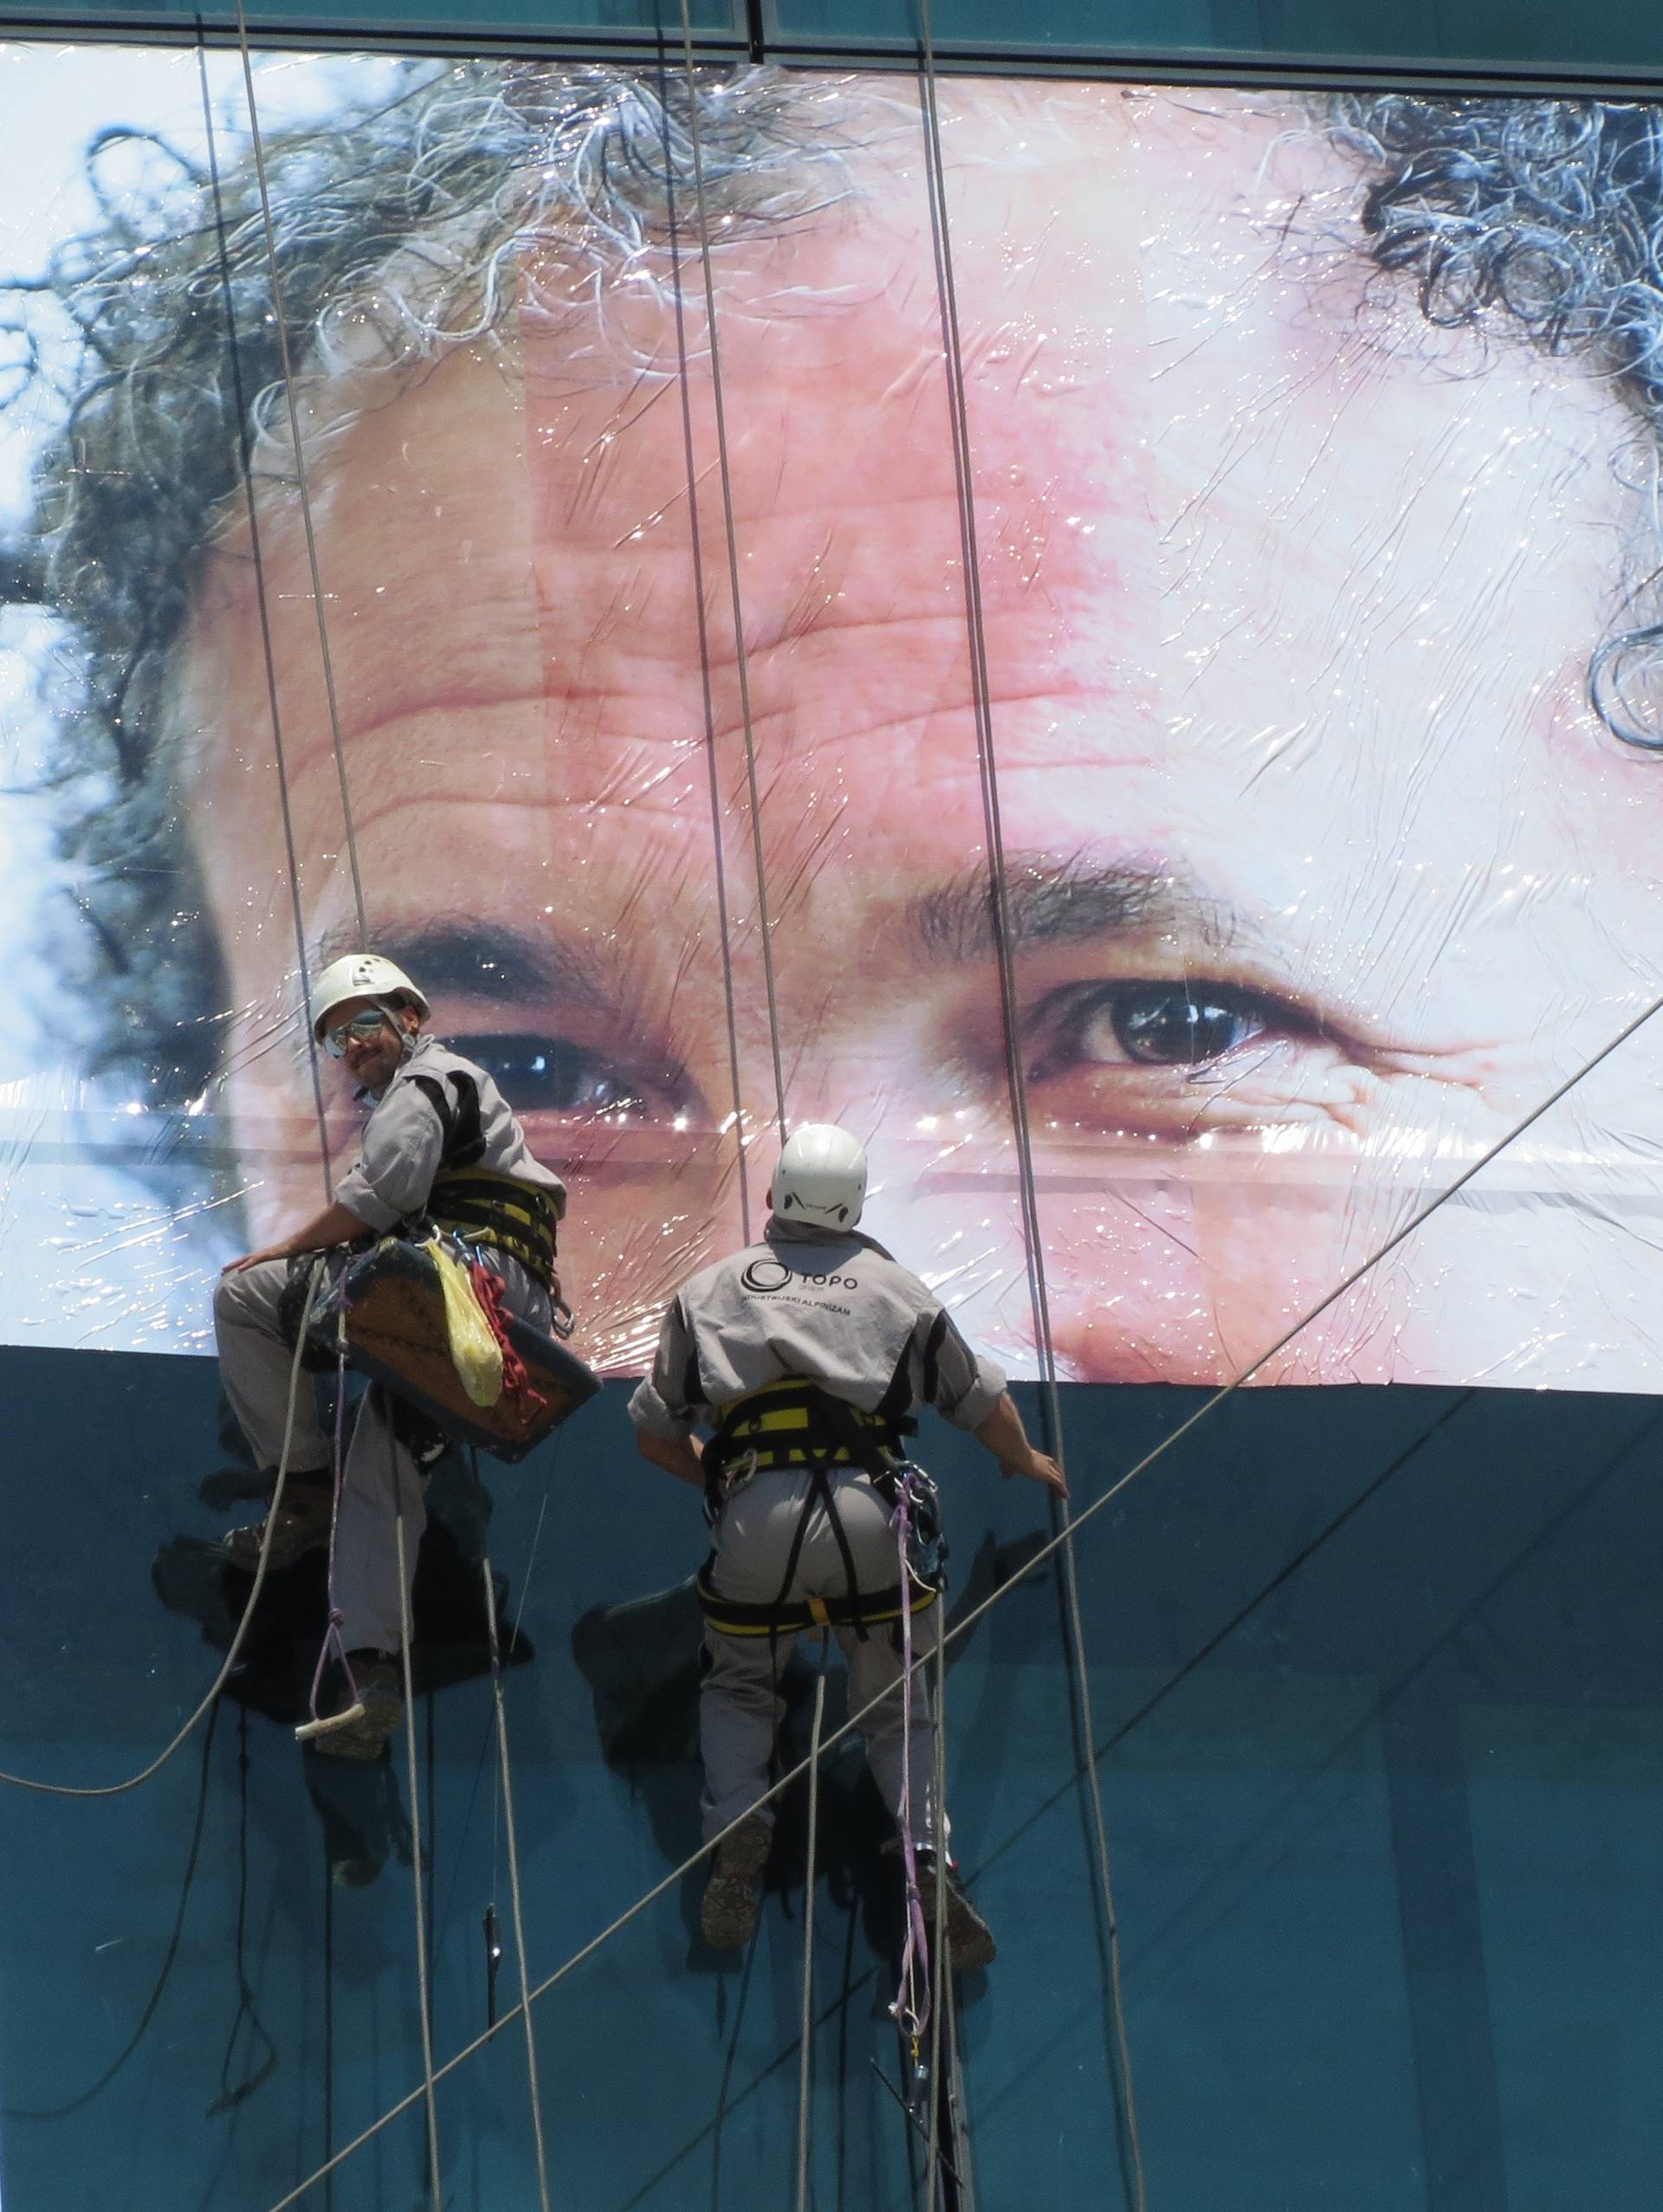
1307,487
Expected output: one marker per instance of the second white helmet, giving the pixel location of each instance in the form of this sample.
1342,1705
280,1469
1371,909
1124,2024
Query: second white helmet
821,1177
360,975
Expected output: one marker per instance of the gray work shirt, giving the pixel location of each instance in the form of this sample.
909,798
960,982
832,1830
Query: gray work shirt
438,1111
834,1311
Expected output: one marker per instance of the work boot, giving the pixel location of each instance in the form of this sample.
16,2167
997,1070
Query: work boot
301,1526
969,1939
359,1727
727,1913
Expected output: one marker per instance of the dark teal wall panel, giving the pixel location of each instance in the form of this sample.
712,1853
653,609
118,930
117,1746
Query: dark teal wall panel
1537,34
1379,1693
1253,38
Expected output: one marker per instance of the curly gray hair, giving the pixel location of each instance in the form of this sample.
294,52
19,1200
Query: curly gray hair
1542,218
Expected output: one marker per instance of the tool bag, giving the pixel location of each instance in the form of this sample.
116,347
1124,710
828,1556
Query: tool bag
390,1302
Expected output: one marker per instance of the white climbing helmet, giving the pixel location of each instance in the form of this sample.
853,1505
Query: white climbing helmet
821,1177
360,975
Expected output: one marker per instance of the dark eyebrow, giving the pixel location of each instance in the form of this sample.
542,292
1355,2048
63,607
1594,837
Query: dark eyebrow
1061,902
501,965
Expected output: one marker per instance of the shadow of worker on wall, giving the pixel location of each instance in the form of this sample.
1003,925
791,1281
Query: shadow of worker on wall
641,1659
357,1802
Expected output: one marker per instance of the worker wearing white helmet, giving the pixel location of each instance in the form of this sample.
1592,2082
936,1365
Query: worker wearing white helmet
440,1142
807,1355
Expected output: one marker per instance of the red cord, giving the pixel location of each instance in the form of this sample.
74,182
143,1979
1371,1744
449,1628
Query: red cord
517,1386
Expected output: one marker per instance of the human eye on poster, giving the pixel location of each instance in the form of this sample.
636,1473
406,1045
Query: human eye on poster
1178,770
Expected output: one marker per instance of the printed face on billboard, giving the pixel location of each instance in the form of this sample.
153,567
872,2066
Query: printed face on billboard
1154,737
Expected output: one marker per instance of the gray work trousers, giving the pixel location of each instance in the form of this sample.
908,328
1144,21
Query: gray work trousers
740,1704
380,1480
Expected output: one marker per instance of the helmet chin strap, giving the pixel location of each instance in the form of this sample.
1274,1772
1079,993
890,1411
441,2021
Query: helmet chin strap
408,1038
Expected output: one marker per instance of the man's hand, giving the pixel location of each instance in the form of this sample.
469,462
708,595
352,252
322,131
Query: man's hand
336,1225
1003,1434
680,1456
1038,1467
256,1259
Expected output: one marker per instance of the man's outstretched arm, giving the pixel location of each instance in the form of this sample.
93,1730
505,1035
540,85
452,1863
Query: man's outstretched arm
1003,1434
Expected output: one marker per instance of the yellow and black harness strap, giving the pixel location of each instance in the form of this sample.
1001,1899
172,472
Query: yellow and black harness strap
485,1208
732,1618
797,1424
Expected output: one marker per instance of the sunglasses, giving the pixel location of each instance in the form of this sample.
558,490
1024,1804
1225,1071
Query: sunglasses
364,1027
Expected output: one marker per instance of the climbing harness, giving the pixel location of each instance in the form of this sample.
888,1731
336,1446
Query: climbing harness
477,1205
796,1423
797,1426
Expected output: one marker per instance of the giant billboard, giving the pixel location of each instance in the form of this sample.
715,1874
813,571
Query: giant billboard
1109,645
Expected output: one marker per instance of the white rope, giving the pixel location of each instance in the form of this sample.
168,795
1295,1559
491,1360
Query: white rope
515,1897
805,2049
120,1788
428,2079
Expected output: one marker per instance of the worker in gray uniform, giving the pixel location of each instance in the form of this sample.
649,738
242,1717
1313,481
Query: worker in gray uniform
440,1142
807,1354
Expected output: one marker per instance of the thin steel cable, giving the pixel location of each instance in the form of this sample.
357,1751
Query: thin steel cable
134,1782
977,1612
325,656
982,692
414,1770
516,1899
764,919
939,1976
805,2046
709,700
257,551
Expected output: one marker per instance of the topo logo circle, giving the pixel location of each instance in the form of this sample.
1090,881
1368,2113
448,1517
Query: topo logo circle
767,1275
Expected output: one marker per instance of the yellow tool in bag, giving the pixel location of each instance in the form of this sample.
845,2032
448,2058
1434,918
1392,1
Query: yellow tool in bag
475,1352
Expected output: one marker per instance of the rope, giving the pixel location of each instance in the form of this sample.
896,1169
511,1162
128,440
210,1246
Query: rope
741,668
805,2046
326,659
912,2007
717,844
268,649
134,1782
337,1619
982,693
515,1894
416,1838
